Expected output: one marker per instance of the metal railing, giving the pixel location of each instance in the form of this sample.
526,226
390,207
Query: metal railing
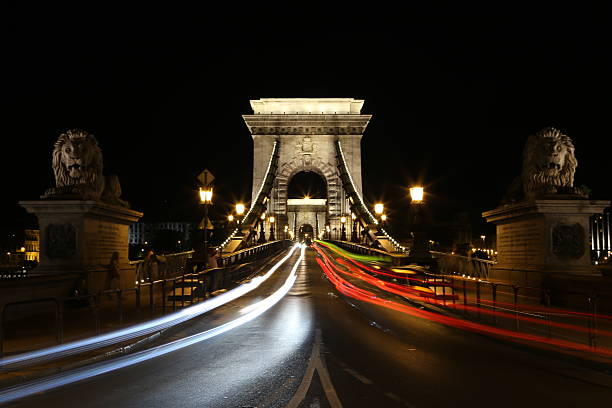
531,310
365,250
601,237
462,265
446,263
253,253
65,306
16,273
165,266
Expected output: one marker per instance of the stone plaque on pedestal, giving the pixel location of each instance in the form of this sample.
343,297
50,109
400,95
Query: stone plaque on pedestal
542,236
80,236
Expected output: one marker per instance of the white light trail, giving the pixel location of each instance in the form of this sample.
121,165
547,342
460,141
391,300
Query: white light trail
152,326
58,380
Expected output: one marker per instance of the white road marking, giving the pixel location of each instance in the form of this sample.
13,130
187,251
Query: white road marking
358,376
316,363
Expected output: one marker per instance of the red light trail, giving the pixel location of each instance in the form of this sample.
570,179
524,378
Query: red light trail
349,289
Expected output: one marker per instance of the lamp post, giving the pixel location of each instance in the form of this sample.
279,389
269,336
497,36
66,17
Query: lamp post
419,251
379,208
286,229
272,219
239,211
262,231
328,231
206,194
383,220
354,228
343,234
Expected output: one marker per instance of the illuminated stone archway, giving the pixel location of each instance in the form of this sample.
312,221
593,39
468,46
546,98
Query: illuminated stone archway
307,129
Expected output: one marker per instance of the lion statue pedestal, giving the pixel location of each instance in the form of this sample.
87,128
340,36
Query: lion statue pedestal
543,220
83,220
80,236
543,236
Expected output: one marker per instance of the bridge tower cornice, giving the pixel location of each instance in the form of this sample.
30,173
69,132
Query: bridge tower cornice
273,124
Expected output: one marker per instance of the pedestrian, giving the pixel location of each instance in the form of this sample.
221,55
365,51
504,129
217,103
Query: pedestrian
150,266
113,276
212,258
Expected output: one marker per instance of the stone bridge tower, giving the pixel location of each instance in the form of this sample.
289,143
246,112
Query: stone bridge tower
307,129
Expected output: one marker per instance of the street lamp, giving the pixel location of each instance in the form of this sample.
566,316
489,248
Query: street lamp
354,228
419,250
239,211
343,234
206,195
328,230
417,194
262,232
272,219
379,208
230,220
286,229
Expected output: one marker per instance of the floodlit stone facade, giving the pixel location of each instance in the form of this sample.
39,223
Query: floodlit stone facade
307,129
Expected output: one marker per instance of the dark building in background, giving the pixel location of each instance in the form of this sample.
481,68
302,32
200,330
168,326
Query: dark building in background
163,236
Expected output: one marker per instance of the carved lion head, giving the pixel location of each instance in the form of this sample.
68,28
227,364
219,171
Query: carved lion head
548,162
77,159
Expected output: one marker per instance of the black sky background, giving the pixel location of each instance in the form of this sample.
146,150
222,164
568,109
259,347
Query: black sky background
454,93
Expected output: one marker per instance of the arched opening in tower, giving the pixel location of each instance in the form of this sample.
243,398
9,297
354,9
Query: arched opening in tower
306,233
307,184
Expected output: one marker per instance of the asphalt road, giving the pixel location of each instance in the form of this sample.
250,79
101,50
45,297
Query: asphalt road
316,348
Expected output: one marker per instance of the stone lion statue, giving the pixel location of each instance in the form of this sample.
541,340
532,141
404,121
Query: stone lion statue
78,168
549,165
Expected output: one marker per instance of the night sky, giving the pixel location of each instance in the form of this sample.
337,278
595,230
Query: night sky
454,93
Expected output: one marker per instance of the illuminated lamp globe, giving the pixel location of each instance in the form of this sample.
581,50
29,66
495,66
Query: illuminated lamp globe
206,195
379,208
240,208
416,194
